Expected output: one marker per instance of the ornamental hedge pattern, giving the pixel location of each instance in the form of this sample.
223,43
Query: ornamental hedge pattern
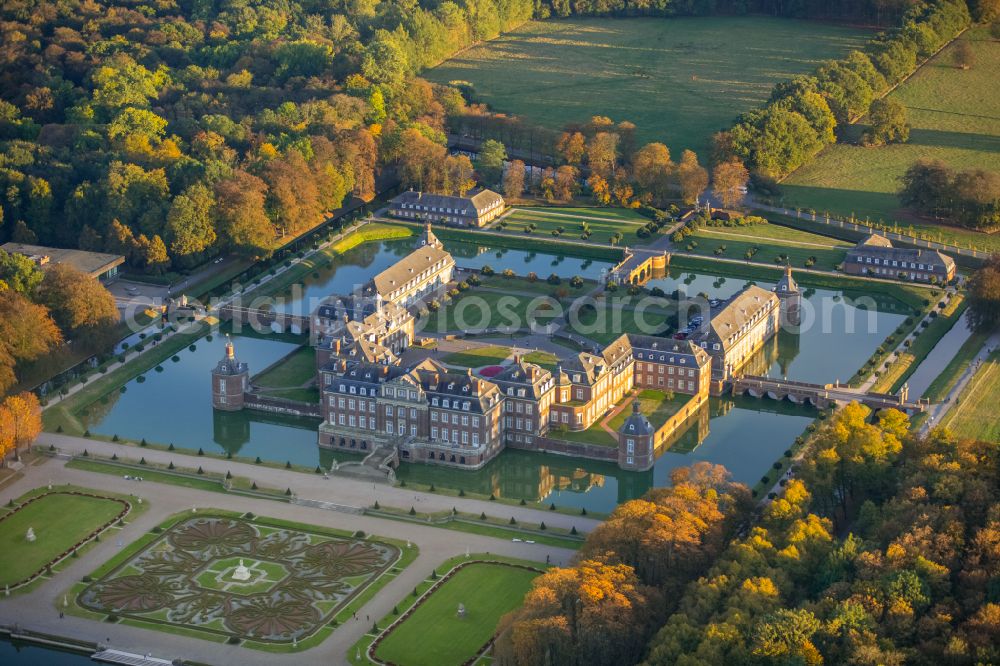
299,579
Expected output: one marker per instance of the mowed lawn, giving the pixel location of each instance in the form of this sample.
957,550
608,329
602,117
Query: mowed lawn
59,521
955,116
773,244
290,372
976,414
571,221
435,636
678,79
480,356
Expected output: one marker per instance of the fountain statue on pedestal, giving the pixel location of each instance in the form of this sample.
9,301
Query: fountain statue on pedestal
241,573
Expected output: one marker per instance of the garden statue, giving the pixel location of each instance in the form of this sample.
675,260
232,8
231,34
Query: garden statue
241,573
461,610
30,535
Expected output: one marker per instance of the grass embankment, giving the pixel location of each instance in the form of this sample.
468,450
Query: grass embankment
443,614
955,117
178,476
975,415
59,521
943,383
678,80
435,635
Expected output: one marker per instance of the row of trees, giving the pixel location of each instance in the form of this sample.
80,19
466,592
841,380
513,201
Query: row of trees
39,309
802,114
628,574
883,551
984,296
970,197
20,422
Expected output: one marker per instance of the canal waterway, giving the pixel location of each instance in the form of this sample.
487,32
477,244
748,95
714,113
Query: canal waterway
173,405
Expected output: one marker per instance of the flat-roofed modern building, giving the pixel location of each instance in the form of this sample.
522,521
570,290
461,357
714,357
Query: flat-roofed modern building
98,265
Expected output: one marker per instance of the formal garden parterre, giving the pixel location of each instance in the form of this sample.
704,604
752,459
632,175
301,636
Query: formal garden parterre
182,580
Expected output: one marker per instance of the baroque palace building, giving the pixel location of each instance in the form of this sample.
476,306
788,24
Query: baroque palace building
371,399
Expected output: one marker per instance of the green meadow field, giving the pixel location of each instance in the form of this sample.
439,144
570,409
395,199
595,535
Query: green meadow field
679,79
955,116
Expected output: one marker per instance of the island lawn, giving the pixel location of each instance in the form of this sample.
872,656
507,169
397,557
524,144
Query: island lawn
59,521
434,635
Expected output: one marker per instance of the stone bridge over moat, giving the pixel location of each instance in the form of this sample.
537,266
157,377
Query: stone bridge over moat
823,395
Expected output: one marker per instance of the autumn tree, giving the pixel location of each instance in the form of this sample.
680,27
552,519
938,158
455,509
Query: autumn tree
7,434
692,178
593,613
25,417
420,161
602,154
888,123
600,191
513,180
565,185
653,170
80,305
459,175
243,223
27,331
984,296
571,147
729,182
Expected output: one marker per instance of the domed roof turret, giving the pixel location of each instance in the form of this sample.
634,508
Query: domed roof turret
636,423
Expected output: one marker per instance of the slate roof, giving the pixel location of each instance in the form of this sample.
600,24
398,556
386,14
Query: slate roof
880,246
407,268
468,206
636,423
740,310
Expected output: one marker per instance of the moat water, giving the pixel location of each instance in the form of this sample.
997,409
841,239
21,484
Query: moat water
24,654
356,266
746,435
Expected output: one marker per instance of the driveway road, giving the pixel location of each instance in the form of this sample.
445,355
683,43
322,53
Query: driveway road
38,610
336,489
